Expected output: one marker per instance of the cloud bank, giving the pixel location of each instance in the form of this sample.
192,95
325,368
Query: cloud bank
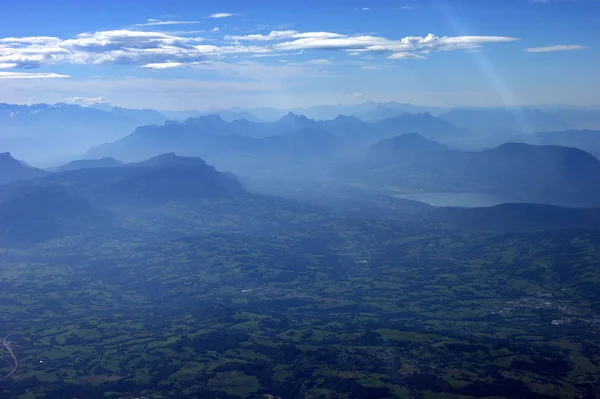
166,50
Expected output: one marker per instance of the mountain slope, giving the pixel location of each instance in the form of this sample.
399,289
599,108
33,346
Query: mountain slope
89,163
587,140
13,170
41,213
173,183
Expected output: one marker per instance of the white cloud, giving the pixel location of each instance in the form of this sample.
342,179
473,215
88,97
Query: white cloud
558,47
332,43
407,47
371,68
163,65
284,34
156,22
163,50
88,100
220,15
30,75
357,94
365,8
29,52
406,56
215,29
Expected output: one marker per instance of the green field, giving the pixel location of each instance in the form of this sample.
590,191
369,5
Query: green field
205,302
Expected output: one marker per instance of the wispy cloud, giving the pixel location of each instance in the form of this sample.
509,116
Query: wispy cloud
557,47
371,68
183,32
30,75
156,22
320,61
220,15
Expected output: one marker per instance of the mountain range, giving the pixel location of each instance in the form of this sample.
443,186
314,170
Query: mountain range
47,205
293,137
53,134
511,154
424,158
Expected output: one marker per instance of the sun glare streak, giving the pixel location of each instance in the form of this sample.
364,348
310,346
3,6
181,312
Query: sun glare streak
504,91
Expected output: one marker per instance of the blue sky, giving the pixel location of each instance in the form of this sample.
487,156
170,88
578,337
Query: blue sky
182,54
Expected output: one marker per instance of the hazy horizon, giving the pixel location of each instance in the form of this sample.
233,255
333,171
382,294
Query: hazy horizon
292,109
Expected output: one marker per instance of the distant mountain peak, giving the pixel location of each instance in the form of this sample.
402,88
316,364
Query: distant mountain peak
206,119
409,141
6,159
291,116
215,117
104,162
172,159
513,146
347,118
